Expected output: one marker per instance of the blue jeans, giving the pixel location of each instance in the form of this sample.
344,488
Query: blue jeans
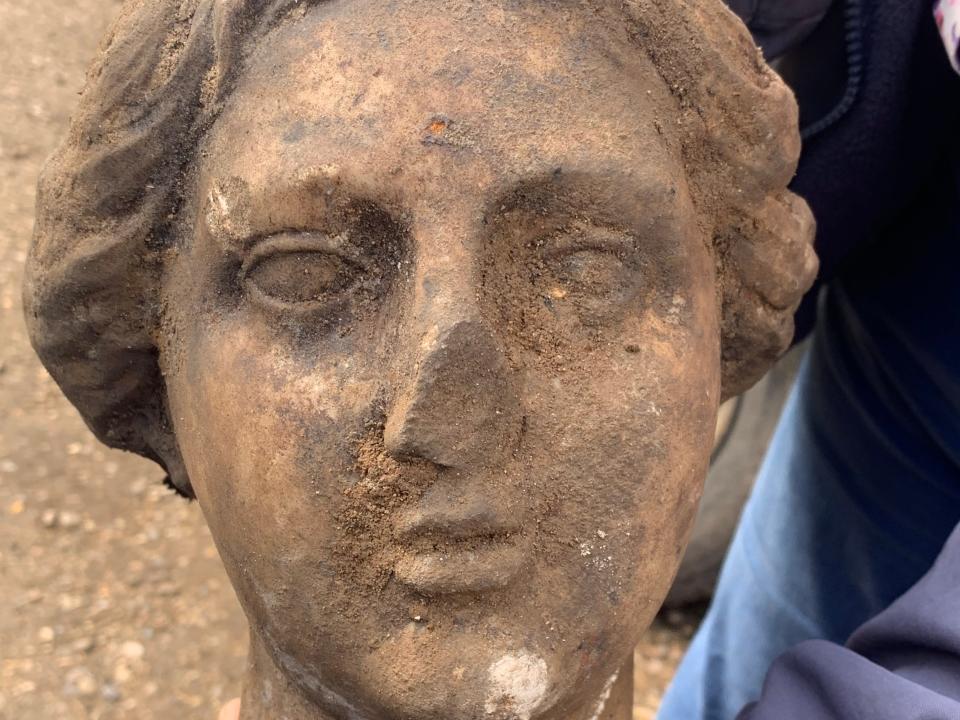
861,485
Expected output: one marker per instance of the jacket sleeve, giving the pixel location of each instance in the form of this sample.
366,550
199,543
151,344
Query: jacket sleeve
778,25
902,665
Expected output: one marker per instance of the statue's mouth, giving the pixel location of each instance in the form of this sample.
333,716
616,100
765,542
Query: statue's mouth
469,549
469,565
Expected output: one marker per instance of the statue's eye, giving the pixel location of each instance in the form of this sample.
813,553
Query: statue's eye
589,272
589,264
303,271
303,276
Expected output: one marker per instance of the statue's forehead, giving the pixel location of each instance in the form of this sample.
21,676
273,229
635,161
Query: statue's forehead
382,121
371,78
420,37
442,164
439,110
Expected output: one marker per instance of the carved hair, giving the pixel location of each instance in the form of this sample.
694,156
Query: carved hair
108,198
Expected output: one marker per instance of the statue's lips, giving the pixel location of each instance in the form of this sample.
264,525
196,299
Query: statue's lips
459,547
469,565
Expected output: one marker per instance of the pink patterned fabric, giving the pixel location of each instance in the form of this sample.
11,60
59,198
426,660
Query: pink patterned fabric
947,14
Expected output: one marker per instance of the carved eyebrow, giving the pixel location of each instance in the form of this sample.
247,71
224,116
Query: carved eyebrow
233,211
559,186
232,195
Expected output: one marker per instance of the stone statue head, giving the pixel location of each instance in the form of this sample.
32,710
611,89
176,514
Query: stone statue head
430,305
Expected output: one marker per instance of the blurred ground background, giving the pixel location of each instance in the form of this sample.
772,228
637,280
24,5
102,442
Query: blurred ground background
114,604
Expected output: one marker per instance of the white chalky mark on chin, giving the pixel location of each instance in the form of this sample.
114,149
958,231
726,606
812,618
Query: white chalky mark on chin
517,686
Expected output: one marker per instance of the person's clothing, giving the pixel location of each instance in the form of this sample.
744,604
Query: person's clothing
902,665
861,486
778,26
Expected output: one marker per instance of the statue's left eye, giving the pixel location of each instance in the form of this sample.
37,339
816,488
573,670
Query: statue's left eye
590,272
302,276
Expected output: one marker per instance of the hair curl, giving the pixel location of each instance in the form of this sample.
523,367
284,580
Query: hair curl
108,197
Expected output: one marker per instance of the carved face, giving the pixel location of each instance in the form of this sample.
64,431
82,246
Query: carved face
442,355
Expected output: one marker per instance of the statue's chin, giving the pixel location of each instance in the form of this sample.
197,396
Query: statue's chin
417,676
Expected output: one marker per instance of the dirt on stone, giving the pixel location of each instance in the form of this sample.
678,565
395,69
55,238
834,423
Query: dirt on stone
115,602
364,522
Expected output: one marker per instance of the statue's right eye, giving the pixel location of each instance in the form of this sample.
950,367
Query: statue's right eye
301,271
302,277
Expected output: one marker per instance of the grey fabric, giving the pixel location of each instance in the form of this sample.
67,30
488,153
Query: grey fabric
778,25
902,665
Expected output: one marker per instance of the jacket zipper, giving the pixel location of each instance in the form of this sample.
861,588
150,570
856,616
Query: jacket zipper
853,40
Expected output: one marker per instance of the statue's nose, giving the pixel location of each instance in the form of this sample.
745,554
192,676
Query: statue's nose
459,406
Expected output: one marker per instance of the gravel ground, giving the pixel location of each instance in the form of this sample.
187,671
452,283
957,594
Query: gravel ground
114,601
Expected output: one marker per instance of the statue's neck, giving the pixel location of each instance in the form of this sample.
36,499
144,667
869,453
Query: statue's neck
269,695
619,704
